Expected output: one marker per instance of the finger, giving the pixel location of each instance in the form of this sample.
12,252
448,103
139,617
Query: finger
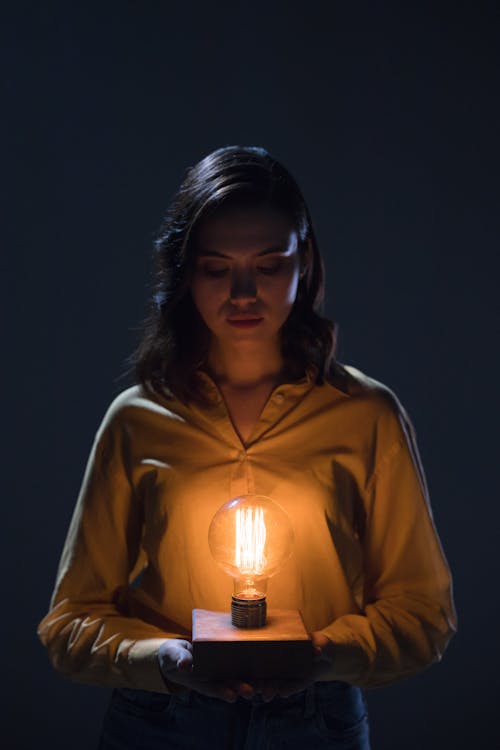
268,692
320,639
229,695
185,660
218,690
265,689
243,688
168,655
246,690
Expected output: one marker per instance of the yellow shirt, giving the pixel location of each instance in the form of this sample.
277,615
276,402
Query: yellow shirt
367,568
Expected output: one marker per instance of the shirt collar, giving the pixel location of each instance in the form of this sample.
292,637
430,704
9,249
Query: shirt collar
303,384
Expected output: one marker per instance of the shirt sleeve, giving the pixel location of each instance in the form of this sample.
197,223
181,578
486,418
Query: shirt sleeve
409,615
88,637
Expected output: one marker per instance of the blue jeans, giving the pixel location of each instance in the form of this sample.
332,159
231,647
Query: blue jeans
326,715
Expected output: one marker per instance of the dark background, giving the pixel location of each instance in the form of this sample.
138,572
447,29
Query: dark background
387,114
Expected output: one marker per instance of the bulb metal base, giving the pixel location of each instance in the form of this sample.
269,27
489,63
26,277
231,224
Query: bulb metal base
248,613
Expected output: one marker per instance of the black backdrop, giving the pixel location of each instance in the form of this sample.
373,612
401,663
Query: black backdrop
387,115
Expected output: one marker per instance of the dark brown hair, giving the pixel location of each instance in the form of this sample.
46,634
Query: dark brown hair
175,339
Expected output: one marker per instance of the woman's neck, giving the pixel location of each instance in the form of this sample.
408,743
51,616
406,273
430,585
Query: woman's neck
238,367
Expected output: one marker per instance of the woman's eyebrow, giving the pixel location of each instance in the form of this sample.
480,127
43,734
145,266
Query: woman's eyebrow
206,253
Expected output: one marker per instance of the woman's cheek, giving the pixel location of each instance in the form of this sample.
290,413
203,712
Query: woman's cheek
207,293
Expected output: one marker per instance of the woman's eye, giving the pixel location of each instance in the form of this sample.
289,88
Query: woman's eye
218,272
215,273
269,270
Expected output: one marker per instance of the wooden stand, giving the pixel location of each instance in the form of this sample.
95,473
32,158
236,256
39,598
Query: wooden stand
280,649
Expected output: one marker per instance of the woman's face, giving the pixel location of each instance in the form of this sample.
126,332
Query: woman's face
246,273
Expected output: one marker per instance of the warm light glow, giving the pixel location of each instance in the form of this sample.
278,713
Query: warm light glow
250,537
250,540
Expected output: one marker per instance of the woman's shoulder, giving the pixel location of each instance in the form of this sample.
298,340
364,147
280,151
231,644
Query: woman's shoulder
136,401
357,384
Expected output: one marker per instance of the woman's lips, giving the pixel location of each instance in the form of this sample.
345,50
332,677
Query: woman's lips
244,322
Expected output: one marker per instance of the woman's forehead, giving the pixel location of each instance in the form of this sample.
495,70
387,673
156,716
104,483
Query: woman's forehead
244,225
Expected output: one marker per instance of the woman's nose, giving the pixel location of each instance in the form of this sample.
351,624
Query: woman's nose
243,286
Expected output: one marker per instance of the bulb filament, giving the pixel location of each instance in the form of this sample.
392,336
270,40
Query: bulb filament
250,540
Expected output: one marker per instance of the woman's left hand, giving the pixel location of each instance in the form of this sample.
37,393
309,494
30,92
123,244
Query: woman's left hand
323,659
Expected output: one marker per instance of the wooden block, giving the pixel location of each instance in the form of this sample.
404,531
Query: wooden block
281,649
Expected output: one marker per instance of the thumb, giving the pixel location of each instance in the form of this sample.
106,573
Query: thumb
184,660
173,654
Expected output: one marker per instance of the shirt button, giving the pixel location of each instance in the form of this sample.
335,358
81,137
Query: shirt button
279,398
242,456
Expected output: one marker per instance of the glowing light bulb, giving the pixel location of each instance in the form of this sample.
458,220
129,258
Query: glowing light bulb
250,537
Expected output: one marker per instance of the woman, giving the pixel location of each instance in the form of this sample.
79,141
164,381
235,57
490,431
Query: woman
239,391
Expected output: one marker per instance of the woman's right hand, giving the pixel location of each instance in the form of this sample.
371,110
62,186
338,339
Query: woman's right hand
176,663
